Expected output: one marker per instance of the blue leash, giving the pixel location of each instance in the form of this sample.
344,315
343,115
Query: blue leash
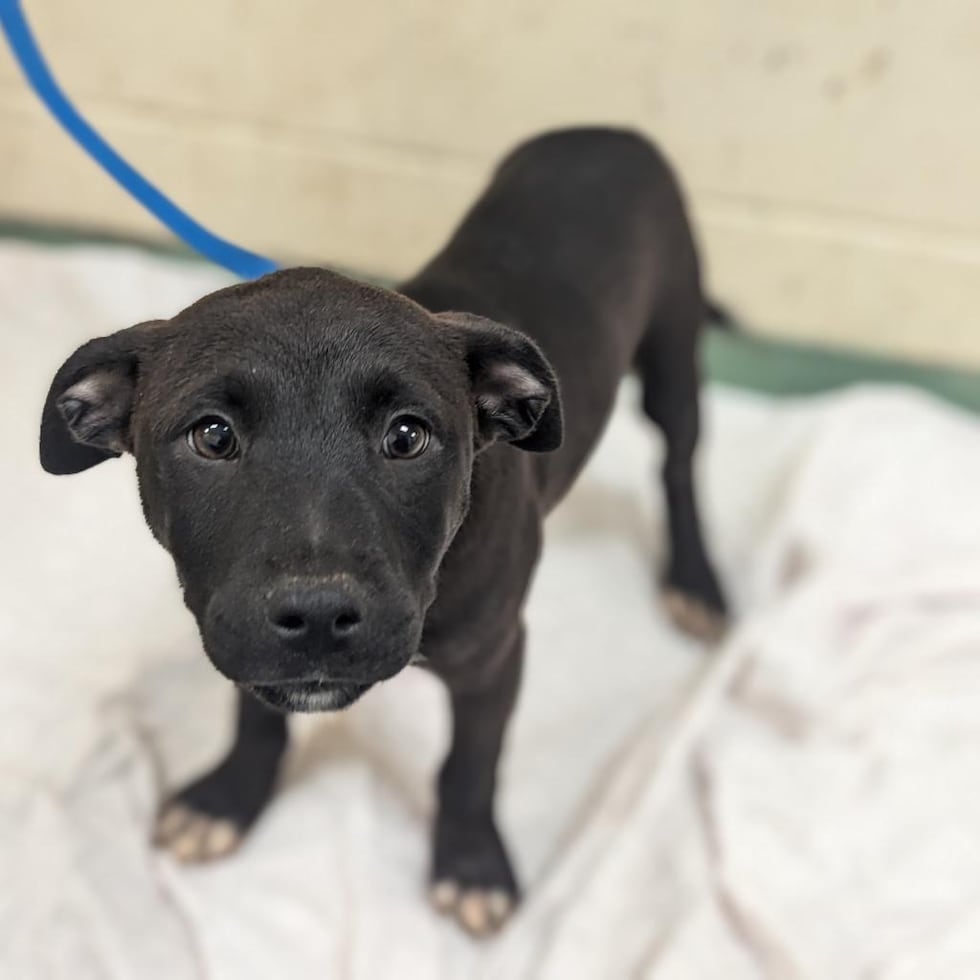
243,263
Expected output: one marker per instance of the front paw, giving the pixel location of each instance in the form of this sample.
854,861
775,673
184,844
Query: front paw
472,879
192,836
208,819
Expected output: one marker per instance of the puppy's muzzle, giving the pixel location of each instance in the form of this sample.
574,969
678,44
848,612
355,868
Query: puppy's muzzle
308,634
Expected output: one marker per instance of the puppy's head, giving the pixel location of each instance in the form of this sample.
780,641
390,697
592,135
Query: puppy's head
304,446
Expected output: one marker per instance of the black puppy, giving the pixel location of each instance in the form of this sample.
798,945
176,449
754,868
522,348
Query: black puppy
338,472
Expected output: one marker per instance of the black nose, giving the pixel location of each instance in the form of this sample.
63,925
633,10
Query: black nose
313,613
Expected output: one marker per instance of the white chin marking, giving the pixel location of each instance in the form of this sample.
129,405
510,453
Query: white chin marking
317,701
309,697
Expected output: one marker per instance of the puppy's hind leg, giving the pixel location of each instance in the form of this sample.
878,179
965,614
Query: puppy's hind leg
209,818
668,367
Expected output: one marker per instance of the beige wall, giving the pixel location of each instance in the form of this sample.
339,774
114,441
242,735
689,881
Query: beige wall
831,148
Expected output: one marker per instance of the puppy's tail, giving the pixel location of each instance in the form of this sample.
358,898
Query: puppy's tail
719,316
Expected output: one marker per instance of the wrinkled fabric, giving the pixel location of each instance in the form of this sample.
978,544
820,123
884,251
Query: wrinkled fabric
802,802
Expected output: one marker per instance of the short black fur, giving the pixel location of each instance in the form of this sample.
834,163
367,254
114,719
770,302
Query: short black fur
317,566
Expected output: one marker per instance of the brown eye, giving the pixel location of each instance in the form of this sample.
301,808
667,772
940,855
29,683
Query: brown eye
213,438
406,439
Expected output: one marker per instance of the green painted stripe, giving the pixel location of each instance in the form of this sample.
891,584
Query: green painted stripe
780,368
735,357
42,233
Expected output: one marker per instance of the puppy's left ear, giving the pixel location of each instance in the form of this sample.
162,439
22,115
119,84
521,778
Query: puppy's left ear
515,390
86,415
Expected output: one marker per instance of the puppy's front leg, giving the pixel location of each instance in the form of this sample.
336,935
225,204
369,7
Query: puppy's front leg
472,877
208,819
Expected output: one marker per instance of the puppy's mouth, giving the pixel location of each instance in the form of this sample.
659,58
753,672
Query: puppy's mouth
308,696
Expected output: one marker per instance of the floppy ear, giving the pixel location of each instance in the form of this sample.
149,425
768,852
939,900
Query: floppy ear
515,390
86,414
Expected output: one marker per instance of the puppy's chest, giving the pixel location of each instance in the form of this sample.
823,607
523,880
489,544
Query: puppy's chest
464,634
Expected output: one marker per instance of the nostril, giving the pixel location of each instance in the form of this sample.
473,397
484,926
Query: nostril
346,623
289,622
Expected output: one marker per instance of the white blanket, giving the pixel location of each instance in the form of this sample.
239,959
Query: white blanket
802,803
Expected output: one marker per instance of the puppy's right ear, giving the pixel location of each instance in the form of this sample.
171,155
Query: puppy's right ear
87,412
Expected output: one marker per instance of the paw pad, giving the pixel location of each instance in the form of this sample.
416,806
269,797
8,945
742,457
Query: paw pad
480,911
193,837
